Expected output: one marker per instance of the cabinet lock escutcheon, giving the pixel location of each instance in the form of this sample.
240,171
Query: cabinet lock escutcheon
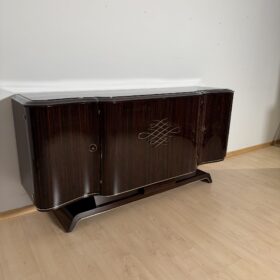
92,148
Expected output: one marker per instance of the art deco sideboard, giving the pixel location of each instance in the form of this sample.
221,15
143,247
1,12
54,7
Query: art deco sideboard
84,153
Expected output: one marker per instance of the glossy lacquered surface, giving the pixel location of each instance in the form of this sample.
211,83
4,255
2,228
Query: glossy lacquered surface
148,141
107,146
214,126
52,98
66,166
71,214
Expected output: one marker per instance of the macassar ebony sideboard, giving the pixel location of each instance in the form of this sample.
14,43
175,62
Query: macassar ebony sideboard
82,153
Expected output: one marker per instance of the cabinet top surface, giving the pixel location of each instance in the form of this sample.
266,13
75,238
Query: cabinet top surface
46,98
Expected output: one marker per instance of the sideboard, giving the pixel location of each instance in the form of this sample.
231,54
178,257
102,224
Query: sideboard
82,153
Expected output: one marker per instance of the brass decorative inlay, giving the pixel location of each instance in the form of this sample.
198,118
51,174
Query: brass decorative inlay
159,132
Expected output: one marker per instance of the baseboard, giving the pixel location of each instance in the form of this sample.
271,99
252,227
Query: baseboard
17,212
248,149
31,209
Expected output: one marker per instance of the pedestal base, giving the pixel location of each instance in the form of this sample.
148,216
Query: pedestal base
71,214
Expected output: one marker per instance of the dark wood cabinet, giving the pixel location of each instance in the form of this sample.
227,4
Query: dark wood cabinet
80,154
214,127
65,167
146,140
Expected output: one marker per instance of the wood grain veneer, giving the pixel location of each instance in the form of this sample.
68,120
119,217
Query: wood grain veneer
73,148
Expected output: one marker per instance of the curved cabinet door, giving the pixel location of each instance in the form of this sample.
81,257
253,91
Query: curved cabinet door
66,153
147,141
215,122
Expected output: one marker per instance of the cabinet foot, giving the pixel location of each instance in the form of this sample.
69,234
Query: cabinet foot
71,214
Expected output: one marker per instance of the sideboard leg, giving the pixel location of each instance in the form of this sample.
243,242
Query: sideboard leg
207,180
66,220
198,176
69,215
207,177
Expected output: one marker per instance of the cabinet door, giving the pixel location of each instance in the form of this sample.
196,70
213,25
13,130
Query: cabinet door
215,121
66,153
147,141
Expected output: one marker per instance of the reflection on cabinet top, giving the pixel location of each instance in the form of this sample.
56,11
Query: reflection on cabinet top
52,98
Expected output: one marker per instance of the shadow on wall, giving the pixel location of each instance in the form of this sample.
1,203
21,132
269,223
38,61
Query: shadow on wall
273,127
276,138
12,194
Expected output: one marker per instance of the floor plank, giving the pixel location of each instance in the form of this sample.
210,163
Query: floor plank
229,229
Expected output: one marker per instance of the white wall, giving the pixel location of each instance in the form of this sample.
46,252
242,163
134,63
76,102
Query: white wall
12,194
232,43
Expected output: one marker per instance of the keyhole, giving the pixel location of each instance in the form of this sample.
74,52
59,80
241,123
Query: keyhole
92,148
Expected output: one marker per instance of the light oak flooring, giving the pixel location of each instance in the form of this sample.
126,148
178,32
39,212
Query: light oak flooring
229,229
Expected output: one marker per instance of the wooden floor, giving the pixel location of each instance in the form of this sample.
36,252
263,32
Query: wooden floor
229,229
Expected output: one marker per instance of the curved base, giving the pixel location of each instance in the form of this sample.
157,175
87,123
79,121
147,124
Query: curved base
71,214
